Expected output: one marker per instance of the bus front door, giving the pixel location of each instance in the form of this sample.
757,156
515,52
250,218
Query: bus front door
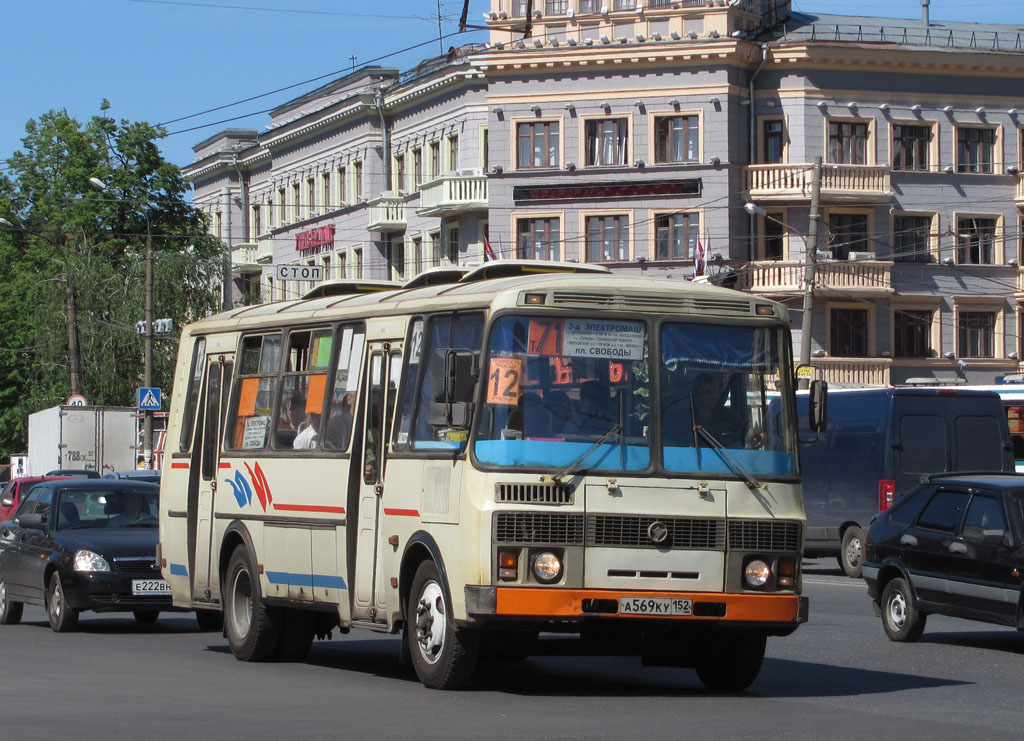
203,487
383,370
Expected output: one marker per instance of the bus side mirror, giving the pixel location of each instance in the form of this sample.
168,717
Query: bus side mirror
453,381
817,405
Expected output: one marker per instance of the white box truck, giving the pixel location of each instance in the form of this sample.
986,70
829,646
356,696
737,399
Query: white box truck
97,439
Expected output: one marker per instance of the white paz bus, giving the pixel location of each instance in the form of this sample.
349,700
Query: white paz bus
475,458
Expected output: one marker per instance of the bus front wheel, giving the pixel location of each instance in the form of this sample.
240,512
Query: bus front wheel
732,663
444,655
252,629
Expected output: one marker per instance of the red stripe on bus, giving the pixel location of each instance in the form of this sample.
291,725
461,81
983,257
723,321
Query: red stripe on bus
308,508
402,512
179,465
225,465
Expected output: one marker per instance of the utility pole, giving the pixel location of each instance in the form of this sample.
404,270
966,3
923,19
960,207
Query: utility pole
440,33
810,248
147,414
74,354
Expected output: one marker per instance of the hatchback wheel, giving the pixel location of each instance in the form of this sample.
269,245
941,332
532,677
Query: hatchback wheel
900,619
63,617
10,612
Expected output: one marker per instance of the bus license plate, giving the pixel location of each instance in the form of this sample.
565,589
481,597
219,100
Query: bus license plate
655,606
143,587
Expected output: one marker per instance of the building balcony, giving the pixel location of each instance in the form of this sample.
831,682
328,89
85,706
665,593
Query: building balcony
250,257
453,194
787,276
387,214
792,182
852,371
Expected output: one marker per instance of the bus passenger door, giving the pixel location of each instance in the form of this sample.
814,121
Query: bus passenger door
205,459
383,372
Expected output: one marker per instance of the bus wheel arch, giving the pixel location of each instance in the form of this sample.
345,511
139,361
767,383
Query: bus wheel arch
235,535
420,547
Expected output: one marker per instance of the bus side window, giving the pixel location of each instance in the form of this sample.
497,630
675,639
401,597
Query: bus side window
192,393
252,398
444,331
341,414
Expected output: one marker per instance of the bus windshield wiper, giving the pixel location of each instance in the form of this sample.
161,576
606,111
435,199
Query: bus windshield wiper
699,431
598,443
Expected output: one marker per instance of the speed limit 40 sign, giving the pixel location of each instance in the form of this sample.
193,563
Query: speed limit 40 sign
299,272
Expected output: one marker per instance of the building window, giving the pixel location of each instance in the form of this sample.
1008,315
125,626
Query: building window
452,247
774,236
399,173
676,139
976,332
912,333
357,262
271,212
256,226
435,249
519,7
607,141
538,239
435,159
607,238
625,4
975,241
849,333
417,254
357,176
342,264
847,143
556,7
911,238
773,131
394,249
910,147
342,187
847,233
590,6
417,168
310,197
975,150
325,189
538,144
676,235
282,206
453,152
484,156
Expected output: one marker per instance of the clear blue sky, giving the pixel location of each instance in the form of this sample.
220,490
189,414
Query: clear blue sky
160,60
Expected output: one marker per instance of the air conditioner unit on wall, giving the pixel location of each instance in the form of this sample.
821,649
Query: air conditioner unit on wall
470,172
862,256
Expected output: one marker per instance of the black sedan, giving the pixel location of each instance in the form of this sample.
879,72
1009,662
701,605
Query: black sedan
87,544
952,546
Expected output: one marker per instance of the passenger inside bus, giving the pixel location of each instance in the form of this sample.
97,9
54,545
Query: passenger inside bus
306,439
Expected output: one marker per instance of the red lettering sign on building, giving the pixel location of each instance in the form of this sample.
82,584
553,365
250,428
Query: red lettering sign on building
322,235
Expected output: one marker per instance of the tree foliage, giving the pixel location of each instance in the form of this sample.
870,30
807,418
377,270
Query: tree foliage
66,233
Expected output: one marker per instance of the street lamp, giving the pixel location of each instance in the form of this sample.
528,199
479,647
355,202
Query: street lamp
809,266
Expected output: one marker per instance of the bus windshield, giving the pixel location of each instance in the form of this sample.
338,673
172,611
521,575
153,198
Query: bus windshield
577,394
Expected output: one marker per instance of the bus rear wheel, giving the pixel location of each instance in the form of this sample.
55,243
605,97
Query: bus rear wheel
733,662
253,630
444,655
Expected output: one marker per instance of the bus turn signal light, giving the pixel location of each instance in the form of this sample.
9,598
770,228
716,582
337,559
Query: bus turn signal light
508,565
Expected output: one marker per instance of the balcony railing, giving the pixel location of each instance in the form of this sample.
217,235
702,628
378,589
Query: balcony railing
778,276
250,257
452,194
853,371
386,214
794,181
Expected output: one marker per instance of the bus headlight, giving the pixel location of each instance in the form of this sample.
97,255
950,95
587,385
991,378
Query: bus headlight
547,567
757,573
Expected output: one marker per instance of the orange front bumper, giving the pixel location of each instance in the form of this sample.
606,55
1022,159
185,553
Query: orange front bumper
571,603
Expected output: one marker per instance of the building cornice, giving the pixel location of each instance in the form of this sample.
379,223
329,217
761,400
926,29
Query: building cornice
891,58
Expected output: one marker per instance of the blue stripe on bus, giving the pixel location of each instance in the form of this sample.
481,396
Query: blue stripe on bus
178,570
306,580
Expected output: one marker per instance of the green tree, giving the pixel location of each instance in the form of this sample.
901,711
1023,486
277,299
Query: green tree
75,262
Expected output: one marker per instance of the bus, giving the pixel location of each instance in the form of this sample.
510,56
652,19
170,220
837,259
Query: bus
477,460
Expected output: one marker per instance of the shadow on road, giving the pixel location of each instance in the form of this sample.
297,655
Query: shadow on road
125,623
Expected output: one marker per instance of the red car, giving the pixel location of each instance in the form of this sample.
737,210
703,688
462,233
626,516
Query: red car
13,491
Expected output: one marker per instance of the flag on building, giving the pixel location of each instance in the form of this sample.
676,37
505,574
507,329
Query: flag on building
699,261
488,251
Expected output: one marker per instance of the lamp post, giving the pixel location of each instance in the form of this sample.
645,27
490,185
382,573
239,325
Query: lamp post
810,246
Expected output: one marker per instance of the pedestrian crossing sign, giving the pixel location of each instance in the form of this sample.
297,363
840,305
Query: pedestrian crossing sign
149,399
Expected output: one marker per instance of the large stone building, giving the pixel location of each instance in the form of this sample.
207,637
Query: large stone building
629,133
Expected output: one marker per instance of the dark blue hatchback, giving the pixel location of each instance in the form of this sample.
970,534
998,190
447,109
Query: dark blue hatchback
86,544
954,545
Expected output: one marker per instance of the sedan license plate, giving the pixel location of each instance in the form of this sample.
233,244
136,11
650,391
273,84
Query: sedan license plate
143,587
655,606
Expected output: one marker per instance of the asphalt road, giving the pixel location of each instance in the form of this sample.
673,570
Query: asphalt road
836,677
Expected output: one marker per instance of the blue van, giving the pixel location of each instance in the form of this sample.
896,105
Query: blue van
877,444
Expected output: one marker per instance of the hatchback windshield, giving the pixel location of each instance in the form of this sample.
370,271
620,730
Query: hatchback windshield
107,508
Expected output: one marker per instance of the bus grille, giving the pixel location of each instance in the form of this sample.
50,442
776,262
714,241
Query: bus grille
538,527
764,535
636,532
535,493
